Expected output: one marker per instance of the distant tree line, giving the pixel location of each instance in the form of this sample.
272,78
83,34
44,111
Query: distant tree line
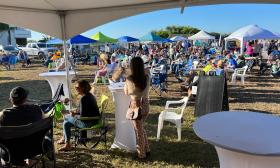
185,31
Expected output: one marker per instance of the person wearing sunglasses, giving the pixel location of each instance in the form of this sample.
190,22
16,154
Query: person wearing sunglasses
87,108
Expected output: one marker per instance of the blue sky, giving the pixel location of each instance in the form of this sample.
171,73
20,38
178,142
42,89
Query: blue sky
213,18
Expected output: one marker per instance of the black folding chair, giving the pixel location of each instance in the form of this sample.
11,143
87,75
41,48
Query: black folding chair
33,141
212,95
48,106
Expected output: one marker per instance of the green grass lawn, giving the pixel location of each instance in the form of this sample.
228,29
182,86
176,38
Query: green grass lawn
259,94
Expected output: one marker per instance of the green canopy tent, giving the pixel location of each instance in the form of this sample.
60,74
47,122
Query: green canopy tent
101,38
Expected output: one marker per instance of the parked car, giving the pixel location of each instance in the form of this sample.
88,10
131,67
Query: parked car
9,49
39,50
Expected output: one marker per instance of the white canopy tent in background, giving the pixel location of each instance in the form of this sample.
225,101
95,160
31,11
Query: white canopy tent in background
250,32
66,18
178,38
202,35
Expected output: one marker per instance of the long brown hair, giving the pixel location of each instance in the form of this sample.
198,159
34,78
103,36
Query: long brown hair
137,75
84,86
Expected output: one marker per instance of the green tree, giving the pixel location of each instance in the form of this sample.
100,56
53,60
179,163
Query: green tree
215,34
162,33
176,30
44,39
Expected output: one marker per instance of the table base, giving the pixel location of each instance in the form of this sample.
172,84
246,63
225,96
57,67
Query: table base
233,159
119,145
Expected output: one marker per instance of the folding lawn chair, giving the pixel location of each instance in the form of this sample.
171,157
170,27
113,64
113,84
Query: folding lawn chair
185,71
33,141
54,107
159,79
100,127
49,105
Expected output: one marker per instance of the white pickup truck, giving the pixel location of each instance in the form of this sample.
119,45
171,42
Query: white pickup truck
39,50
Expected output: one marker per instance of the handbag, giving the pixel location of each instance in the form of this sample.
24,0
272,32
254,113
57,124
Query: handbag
133,113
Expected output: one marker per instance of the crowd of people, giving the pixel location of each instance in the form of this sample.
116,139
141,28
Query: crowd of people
9,59
135,66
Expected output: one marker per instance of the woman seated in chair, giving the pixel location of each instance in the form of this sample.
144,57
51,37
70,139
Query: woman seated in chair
191,81
87,108
102,64
5,61
22,57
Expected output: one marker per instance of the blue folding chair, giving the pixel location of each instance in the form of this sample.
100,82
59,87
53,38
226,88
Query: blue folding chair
185,71
13,60
159,79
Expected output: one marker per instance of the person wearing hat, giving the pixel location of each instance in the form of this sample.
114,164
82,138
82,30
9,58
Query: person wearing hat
20,113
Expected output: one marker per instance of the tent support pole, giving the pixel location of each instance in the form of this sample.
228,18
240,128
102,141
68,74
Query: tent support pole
242,46
63,31
182,5
226,44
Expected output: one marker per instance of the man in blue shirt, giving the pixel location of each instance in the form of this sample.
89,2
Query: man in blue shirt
231,62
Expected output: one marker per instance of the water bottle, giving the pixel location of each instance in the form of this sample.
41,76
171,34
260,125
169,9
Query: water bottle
50,66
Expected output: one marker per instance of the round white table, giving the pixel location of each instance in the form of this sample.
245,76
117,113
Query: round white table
242,139
54,78
124,132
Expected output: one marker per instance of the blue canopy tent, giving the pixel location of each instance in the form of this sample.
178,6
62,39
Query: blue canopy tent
168,41
127,39
151,37
79,39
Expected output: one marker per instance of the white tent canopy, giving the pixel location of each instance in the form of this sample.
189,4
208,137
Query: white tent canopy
202,35
46,15
178,38
250,32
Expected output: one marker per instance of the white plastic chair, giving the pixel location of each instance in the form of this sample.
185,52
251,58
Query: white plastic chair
173,115
239,72
159,69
